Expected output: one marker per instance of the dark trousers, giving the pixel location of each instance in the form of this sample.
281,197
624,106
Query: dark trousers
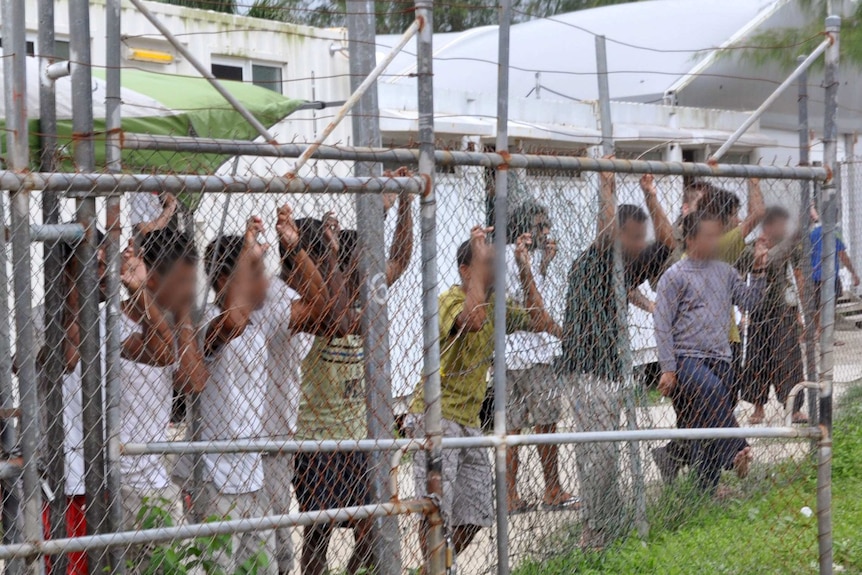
703,398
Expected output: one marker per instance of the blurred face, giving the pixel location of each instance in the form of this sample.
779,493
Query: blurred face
175,290
704,244
481,271
633,238
541,230
775,231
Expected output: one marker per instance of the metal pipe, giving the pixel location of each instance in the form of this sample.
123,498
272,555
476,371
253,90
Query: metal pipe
90,185
18,159
8,434
56,70
358,92
53,233
824,502
203,71
809,306
113,390
330,445
464,158
361,34
211,529
53,365
791,399
435,542
87,279
829,271
755,115
394,466
500,205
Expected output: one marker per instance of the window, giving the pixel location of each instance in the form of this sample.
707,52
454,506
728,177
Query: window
61,50
268,77
31,47
227,72
263,75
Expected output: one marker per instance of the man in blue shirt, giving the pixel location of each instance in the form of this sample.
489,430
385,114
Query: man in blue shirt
841,258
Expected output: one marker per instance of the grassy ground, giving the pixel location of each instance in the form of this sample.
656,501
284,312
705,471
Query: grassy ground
761,529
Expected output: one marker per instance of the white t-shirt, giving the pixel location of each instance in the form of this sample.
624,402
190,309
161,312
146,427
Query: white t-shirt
73,411
286,349
525,349
233,403
145,412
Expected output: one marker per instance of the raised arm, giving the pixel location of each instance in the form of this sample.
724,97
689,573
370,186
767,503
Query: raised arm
169,208
661,224
235,301
191,374
540,319
402,244
154,345
308,313
756,207
475,312
607,206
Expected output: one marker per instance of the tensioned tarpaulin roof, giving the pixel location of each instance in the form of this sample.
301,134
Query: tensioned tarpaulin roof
159,104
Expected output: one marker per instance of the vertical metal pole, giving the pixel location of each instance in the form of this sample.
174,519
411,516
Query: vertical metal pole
622,303
88,280
372,269
854,217
113,391
55,286
809,305
829,213
18,159
430,310
501,210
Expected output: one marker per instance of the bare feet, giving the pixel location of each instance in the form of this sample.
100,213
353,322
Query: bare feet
799,417
742,462
758,416
559,499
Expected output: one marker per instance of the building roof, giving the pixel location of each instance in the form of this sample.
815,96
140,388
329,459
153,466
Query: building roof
650,46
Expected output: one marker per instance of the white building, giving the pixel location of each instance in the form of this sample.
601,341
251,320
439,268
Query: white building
676,96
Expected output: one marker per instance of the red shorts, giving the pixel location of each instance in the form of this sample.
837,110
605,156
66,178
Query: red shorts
76,526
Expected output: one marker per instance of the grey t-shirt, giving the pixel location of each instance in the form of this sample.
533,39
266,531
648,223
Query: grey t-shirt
694,299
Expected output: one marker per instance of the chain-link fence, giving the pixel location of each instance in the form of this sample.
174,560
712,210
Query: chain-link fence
473,361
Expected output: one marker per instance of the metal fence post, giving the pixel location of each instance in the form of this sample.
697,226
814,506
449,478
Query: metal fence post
113,391
809,305
18,159
52,364
88,280
829,271
501,217
430,311
374,288
622,303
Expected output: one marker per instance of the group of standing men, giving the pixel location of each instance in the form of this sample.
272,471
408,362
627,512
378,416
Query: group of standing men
282,358
702,269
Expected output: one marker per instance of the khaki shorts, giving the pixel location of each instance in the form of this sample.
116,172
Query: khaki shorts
467,479
533,397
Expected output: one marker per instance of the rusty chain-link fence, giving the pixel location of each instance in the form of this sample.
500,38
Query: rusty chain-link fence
473,361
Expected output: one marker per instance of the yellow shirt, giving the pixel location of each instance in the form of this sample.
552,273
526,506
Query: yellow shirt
465,358
730,248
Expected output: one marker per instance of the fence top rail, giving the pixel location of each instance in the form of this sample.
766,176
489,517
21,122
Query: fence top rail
464,158
88,184
292,446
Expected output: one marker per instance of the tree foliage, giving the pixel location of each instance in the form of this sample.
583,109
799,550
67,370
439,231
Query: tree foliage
784,45
393,16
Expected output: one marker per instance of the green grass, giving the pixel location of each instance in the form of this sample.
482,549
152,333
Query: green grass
760,531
